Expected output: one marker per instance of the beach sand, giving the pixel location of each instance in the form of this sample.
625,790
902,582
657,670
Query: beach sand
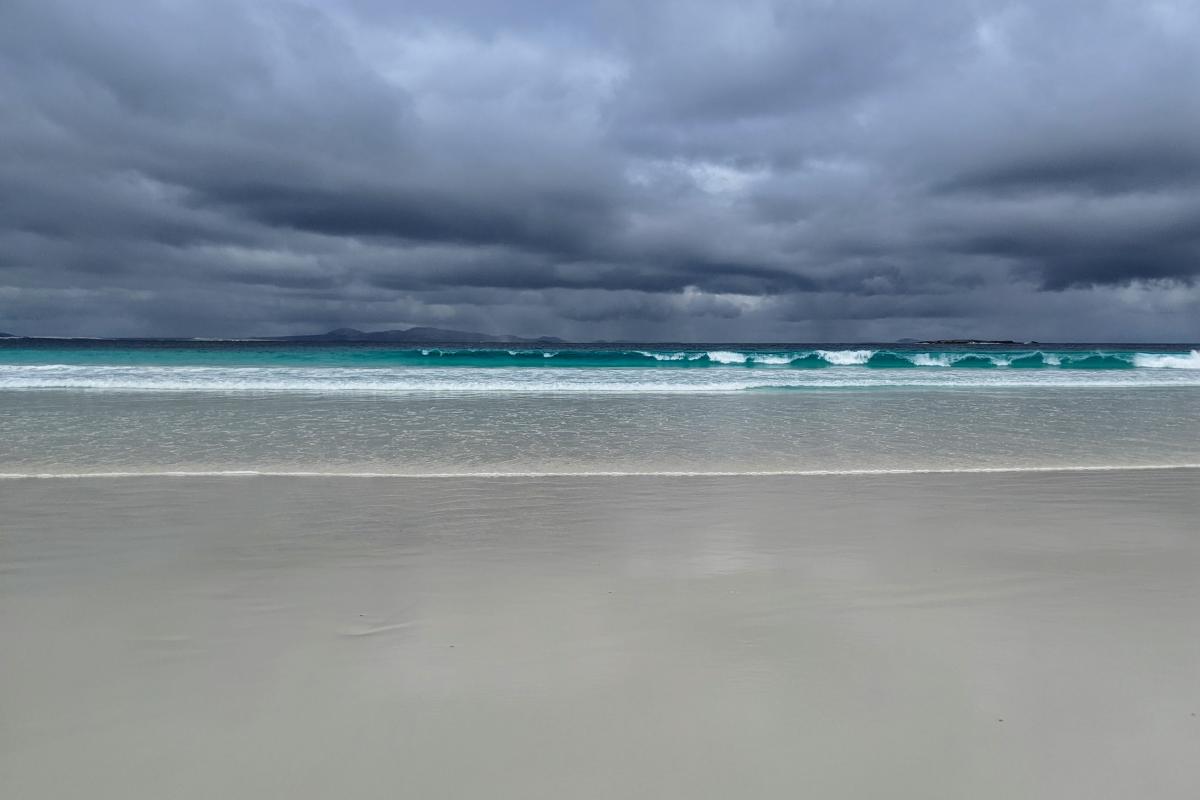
924,636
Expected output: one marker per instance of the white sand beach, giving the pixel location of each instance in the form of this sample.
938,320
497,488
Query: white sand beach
924,636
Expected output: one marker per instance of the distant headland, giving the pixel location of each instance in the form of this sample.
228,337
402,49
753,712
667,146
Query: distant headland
974,341
961,341
418,334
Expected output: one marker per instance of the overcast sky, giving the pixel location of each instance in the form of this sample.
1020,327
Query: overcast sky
801,171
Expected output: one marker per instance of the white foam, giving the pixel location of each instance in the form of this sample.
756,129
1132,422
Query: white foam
766,473
727,357
551,380
846,358
1165,361
770,359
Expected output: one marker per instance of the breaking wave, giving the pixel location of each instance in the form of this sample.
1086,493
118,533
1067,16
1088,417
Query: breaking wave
263,354
808,359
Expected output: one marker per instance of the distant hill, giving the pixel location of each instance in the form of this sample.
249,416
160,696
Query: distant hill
972,341
960,341
413,335
8,335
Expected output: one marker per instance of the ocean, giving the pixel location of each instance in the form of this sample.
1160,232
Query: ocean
151,406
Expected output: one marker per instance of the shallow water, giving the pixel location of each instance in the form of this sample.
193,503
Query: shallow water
65,431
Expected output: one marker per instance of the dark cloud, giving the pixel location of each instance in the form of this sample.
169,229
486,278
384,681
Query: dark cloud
1098,172
703,170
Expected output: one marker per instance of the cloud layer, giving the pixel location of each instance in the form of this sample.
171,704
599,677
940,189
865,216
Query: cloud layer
755,170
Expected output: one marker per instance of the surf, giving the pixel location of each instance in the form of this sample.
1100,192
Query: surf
268,354
565,380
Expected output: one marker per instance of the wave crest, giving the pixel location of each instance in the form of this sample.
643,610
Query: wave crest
846,358
1167,361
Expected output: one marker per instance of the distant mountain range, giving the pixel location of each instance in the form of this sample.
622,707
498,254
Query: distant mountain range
418,334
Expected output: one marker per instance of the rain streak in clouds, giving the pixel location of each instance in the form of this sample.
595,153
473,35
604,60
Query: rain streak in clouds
709,171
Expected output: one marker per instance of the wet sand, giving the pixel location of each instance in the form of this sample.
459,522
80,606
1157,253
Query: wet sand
925,636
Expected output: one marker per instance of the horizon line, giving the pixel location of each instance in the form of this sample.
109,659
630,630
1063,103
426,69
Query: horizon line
316,339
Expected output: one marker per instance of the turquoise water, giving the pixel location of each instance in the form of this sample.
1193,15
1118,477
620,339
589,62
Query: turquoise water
263,367
657,356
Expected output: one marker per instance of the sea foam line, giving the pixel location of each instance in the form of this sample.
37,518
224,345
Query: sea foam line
255,473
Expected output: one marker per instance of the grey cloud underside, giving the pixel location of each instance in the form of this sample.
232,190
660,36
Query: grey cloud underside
769,170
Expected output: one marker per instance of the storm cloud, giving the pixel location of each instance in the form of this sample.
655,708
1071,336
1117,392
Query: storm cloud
857,170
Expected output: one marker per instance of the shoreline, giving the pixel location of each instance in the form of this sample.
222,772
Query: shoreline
548,474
